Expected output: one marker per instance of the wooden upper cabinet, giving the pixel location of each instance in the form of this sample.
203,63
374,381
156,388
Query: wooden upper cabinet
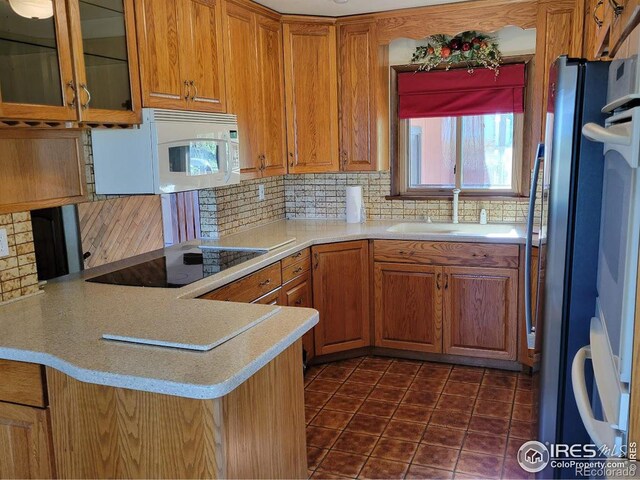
25,437
311,91
408,307
358,114
242,84
480,312
559,28
624,20
36,80
181,55
163,70
40,168
205,57
255,90
272,139
341,295
105,55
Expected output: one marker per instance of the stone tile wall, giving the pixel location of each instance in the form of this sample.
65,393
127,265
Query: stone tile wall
226,210
323,196
18,274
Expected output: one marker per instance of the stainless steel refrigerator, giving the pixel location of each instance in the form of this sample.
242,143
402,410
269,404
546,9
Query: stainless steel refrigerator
567,221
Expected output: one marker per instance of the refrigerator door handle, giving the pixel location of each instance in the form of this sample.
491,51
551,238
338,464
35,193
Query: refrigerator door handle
602,433
531,331
619,134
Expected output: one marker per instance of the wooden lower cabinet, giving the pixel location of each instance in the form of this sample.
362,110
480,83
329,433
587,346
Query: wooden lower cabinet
25,442
341,295
480,312
298,293
408,307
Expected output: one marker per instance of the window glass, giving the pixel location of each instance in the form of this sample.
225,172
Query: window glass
480,148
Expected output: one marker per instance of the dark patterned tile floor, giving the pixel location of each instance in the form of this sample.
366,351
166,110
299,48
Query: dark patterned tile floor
378,417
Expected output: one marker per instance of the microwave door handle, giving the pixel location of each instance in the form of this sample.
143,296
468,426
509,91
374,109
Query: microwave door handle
227,163
530,329
619,134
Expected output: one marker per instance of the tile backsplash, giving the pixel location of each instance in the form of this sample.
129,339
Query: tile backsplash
323,196
226,210
18,273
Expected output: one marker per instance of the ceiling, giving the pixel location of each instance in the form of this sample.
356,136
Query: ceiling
351,7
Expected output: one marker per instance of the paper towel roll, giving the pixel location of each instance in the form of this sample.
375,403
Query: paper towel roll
354,204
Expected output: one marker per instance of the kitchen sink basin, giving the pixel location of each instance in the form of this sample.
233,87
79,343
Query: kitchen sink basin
489,230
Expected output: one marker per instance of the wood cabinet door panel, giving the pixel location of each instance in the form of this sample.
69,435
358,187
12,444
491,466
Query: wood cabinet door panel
108,66
203,24
40,168
240,51
271,88
480,312
311,97
37,63
163,54
358,63
408,303
341,295
25,442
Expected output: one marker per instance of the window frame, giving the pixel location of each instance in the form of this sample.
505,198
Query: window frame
399,158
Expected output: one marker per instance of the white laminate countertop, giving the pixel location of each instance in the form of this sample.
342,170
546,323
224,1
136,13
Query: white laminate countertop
63,328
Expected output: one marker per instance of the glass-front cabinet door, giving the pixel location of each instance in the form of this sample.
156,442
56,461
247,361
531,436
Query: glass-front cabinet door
36,73
106,60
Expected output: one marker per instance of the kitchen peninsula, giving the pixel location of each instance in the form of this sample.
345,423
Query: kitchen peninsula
98,408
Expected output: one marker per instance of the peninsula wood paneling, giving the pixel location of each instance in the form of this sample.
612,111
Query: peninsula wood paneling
256,431
120,228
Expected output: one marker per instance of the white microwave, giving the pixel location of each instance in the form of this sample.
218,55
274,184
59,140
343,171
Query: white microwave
171,151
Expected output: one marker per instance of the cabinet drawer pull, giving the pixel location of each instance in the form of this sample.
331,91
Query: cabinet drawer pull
298,270
265,283
296,255
446,281
86,90
72,87
599,22
438,280
195,90
187,90
299,302
617,8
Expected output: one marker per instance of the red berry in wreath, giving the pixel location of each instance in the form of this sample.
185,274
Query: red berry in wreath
454,44
445,52
476,41
466,46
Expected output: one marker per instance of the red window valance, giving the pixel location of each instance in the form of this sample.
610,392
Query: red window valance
457,92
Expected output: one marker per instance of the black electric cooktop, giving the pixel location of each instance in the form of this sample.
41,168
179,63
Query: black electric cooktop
177,268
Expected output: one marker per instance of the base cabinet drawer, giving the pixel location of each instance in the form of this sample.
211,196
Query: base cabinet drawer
447,253
249,288
22,383
298,293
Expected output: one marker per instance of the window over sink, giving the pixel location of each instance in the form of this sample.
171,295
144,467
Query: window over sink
457,129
